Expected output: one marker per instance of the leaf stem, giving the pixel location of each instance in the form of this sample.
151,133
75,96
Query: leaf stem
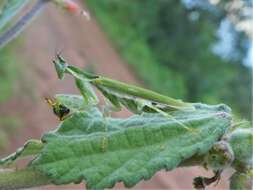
26,178
196,160
18,27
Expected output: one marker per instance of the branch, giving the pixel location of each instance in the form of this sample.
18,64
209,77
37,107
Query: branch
26,178
18,27
196,160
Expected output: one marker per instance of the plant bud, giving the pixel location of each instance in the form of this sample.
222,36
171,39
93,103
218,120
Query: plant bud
220,156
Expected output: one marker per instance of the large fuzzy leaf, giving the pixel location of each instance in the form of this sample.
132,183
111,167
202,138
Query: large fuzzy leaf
103,151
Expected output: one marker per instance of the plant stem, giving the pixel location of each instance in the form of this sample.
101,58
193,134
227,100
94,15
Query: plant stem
26,178
18,27
193,161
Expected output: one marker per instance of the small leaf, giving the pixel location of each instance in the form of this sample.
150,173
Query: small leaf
31,148
136,148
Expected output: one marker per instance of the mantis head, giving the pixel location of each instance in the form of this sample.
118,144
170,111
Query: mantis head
59,110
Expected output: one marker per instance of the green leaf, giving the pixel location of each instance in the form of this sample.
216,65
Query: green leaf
31,148
104,151
8,9
216,108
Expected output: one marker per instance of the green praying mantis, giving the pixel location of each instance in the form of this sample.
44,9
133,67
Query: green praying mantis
136,99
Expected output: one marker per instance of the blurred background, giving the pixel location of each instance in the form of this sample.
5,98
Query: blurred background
194,50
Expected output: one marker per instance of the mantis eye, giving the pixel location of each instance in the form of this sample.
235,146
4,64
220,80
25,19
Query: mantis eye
63,111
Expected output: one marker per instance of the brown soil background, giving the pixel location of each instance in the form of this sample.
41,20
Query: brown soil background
84,44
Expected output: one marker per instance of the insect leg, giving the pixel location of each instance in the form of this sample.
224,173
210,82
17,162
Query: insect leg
170,117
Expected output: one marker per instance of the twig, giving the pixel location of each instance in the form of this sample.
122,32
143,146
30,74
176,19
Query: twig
27,178
19,26
10,180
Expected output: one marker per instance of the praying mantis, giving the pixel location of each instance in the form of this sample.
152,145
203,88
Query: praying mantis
136,99
119,94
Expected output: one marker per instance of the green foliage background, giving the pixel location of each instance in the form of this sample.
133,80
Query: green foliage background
171,53
8,73
8,76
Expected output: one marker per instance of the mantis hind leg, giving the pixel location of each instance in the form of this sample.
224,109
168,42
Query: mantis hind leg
165,114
